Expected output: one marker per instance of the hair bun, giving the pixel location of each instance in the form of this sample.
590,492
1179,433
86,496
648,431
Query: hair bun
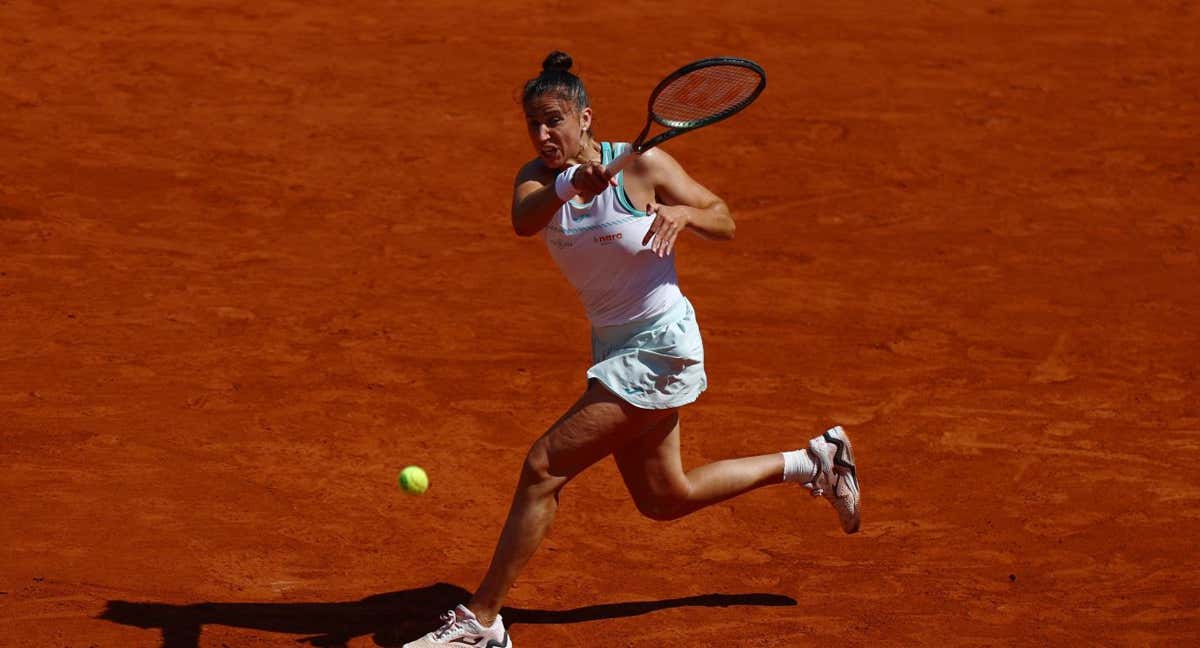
557,62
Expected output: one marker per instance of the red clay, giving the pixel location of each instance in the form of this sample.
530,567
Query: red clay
256,257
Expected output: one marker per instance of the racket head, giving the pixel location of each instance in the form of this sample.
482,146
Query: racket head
705,92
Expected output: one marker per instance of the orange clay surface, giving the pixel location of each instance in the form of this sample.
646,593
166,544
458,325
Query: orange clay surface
255,257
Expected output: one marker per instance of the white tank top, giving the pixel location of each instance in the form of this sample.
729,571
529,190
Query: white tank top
598,247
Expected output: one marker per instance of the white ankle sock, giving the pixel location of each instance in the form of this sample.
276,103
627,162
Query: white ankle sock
798,466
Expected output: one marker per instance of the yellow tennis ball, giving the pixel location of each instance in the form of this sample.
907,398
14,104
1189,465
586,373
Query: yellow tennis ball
414,480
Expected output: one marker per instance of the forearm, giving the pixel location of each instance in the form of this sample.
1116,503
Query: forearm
713,221
534,212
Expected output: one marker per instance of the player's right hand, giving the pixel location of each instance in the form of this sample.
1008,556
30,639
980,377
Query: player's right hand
591,179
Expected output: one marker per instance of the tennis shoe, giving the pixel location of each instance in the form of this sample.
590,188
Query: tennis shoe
836,476
461,629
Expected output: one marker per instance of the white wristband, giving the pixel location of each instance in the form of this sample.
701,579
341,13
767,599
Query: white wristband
563,186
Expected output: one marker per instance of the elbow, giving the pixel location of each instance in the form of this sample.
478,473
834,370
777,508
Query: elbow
726,225
523,232
520,229
730,227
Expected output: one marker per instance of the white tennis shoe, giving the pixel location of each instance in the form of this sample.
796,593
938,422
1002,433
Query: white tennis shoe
836,477
461,628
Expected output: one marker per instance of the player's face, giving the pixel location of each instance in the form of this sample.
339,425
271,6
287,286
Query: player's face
556,129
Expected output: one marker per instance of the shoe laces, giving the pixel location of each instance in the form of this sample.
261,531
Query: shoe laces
451,625
814,489
825,477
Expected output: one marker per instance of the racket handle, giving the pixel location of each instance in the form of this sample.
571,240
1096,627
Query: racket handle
620,162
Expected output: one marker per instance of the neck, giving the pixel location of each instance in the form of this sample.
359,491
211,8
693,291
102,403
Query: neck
588,152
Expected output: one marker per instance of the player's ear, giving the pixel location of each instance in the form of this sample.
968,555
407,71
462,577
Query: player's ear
585,119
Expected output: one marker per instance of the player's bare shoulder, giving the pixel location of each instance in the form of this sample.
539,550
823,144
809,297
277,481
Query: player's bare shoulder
534,171
656,166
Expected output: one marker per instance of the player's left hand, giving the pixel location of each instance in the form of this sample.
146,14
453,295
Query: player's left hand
669,221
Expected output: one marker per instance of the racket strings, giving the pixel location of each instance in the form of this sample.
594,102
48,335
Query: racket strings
705,94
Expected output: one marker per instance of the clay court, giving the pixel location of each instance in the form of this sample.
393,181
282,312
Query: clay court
256,257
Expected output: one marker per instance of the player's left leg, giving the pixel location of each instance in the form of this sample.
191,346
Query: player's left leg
596,424
653,472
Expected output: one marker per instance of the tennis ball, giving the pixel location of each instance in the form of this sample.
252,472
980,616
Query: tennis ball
414,480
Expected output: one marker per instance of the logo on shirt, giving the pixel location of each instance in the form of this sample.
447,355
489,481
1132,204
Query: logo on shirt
607,239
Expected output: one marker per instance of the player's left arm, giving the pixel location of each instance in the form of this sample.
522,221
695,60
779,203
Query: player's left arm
681,203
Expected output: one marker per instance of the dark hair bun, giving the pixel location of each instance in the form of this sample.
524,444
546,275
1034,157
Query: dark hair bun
557,62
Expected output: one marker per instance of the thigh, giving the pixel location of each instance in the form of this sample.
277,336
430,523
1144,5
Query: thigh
650,463
597,424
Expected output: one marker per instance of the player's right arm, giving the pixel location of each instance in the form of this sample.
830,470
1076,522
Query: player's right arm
535,201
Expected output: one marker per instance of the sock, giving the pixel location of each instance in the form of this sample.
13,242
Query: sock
798,467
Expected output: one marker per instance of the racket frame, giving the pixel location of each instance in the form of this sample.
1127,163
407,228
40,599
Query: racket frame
676,128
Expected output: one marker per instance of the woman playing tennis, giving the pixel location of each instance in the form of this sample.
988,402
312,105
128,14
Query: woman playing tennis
646,348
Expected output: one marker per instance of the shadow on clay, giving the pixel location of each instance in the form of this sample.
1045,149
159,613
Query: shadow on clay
390,619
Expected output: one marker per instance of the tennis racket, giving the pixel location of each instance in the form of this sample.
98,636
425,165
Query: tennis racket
694,96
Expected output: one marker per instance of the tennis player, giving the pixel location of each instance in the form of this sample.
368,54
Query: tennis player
646,348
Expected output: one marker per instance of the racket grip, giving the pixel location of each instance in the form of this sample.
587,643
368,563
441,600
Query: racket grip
620,162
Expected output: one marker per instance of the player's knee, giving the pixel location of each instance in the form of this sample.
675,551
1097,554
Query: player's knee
535,472
536,468
653,510
659,510
664,506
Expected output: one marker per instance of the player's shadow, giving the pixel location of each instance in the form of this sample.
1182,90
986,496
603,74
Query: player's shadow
390,619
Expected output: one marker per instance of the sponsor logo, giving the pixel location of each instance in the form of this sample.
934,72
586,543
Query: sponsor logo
492,643
607,239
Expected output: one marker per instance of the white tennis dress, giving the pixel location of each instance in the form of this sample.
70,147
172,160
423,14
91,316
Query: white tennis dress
646,345
598,247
